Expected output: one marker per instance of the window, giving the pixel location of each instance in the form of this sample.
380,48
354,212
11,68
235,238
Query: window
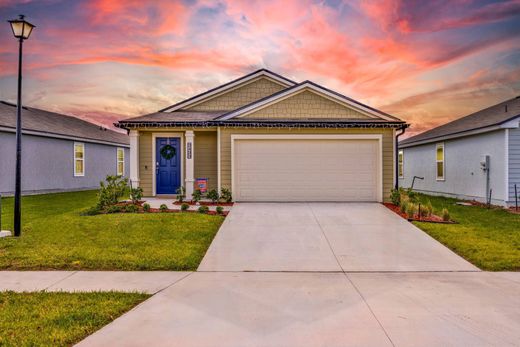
439,158
79,159
120,161
400,162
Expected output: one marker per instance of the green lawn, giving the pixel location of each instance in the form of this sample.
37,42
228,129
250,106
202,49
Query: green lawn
55,236
58,319
488,238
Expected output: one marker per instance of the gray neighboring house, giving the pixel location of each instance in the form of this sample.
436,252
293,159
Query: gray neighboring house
59,152
474,157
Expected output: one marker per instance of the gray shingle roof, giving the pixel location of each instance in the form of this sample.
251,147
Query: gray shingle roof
176,116
50,123
491,116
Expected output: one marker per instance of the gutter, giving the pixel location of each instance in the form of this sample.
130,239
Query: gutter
403,130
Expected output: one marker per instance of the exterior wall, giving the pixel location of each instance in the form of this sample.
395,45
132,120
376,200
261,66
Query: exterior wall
514,163
48,164
206,157
306,104
240,96
388,149
146,162
464,177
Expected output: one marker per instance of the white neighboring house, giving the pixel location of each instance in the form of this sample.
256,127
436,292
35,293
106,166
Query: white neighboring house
476,157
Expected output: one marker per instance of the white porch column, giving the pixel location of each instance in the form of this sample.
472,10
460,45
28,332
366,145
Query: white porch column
134,158
190,155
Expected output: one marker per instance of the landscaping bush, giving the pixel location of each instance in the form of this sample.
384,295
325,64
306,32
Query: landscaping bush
196,196
412,196
220,209
146,207
213,195
445,215
429,208
91,211
181,194
163,208
411,210
225,194
131,208
114,209
185,207
404,206
110,191
136,194
423,211
203,209
395,196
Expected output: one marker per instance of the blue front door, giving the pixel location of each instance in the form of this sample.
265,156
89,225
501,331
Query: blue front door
167,165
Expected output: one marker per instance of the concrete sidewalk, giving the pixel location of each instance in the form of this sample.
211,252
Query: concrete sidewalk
149,282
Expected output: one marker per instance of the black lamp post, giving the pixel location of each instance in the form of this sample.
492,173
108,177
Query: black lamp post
21,30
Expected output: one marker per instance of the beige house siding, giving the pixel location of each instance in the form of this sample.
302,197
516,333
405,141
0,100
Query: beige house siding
145,162
239,96
388,151
205,158
306,104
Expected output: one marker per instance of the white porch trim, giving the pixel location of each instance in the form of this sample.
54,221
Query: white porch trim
134,158
190,161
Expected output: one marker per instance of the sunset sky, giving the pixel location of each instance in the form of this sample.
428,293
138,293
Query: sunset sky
426,62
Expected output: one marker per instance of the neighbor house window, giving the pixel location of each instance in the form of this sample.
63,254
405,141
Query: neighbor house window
400,164
120,162
79,159
439,158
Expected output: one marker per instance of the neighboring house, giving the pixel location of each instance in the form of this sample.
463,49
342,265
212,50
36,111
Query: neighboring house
59,152
266,138
474,157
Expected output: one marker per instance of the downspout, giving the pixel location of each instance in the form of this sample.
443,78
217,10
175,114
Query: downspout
403,129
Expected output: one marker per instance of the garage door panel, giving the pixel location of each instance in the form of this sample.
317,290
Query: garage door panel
306,170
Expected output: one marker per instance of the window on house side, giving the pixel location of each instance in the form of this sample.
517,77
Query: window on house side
400,164
120,162
439,158
79,159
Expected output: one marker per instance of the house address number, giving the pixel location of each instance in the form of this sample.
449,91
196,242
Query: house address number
188,150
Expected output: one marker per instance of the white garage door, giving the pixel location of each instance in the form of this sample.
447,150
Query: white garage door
306,170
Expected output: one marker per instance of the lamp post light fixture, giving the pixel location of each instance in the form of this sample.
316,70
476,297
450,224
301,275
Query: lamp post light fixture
21,30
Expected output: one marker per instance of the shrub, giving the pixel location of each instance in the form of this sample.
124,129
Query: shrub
111,191
196,195
445,215
404,206
131,208
411,210
203,209
136,194
225,194
412,196
114,209
146,207
92,211
423,212
220,209
163,208
395,196
213,195
429,208
181,194
185,207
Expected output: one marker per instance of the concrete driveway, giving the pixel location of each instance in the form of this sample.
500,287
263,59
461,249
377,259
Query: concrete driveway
324,237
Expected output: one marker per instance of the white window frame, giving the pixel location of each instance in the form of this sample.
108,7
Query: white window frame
443,161
400,163
118,161
77,174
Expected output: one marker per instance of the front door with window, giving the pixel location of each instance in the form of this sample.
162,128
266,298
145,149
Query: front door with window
167,165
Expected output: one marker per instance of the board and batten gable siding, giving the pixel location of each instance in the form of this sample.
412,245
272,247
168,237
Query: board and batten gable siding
463,175
387,145
48,164
204,155
239,96
306,104
514,163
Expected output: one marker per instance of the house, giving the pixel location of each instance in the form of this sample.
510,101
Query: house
266,138
59,152
474,157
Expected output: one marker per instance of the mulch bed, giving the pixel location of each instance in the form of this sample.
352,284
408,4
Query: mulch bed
431,219
204,203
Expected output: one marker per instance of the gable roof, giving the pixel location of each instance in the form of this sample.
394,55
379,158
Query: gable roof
44,123
488,119
308,85
226,86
